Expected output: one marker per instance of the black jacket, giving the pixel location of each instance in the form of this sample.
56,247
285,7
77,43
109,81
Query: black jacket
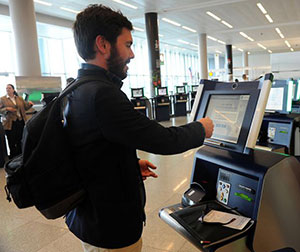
105,131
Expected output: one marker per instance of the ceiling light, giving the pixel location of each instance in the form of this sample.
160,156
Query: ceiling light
279,32
212,38
171,22
43,2
287,43
218,51
246,36
292,49
194,44
269,51
262,9
69,10
260,45
160,35
189,29
184,42
213,15
221,42
241,50
138,29
225,23
269,18
249,53
233,47
126,4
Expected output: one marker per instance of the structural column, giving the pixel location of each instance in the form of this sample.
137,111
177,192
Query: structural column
245,63
202,50
153,49
25,35
217,63
229,66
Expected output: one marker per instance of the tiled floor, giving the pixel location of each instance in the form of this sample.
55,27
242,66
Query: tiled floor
27,230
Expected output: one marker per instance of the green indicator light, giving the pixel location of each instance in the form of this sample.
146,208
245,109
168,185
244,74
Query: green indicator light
283,131
243,196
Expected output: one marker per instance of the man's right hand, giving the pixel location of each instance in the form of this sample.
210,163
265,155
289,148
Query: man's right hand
208,125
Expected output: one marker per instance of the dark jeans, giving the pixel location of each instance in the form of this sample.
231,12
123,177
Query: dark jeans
14,137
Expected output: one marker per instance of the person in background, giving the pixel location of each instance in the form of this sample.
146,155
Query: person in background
244,77
12,109
106,131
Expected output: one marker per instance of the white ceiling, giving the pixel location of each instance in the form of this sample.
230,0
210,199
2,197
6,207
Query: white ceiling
243,15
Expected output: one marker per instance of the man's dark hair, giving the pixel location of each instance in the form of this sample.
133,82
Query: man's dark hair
95,20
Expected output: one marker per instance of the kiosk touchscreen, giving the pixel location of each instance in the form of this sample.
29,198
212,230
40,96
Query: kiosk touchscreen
180,90
233,108
161,91
281,96
238,198
194,88
137,92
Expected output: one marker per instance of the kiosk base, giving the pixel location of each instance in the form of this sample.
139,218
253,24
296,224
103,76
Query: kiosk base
180,109
263,186
162,113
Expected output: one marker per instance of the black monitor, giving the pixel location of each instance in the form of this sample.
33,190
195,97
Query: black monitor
180,90
162,91
280,97
233,107
195,88
137,92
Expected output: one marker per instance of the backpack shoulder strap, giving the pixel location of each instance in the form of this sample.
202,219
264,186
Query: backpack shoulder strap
78,82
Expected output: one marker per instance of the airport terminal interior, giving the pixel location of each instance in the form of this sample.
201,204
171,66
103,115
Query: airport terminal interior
235,61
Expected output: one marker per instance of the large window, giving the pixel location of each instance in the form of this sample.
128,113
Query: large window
58,57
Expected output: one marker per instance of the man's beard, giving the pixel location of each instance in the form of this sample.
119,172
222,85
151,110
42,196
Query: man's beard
116,64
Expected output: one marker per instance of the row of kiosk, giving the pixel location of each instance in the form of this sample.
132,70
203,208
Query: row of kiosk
240,197
162,105
281,122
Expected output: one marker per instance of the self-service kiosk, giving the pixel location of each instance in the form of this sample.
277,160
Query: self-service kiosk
180,101
162,104
280,127
139,100
240,198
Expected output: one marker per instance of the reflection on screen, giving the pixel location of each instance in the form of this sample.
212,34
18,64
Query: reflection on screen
227,113
137,93
162,91
275,100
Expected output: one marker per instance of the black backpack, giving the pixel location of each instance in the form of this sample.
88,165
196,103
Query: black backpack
44,175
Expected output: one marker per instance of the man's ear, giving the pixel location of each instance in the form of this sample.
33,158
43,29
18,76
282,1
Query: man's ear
102,45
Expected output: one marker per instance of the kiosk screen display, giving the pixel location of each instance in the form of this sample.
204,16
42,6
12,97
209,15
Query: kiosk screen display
180,90
194,88
275,101
137,93
162,91
227,112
